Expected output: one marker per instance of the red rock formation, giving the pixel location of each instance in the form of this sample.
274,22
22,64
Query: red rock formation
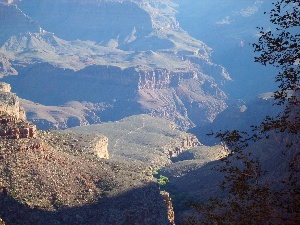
12,128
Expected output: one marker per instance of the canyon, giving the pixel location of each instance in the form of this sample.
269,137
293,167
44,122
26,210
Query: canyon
97,99
148,65
88,173
50,177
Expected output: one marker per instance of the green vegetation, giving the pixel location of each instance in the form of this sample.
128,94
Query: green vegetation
162,180
155,171
253,196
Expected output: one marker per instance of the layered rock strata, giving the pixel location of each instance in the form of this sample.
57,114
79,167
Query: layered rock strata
9,103
13,124
132,63
11,128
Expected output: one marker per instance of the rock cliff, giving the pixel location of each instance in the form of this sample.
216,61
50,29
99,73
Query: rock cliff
60,177
168,202
132,58
109,94
12,116
14,126
9,103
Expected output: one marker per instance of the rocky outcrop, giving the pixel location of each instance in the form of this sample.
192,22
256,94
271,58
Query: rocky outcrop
9,103
12,116
168,202
11,128
4,87
154,79
178,146
101,148
187,98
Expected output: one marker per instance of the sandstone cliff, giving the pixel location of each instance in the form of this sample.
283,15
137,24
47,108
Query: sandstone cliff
9,103
109,94
12,116
148,63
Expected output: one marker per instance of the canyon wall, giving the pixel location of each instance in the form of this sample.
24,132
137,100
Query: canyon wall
109,93
120,64
9,103
12,116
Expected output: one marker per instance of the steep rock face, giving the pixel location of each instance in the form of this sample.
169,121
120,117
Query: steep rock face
148,66
12,116
187,98
9,103
13,20
6,67
230,29
11,128
168,202
4,87
107,20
